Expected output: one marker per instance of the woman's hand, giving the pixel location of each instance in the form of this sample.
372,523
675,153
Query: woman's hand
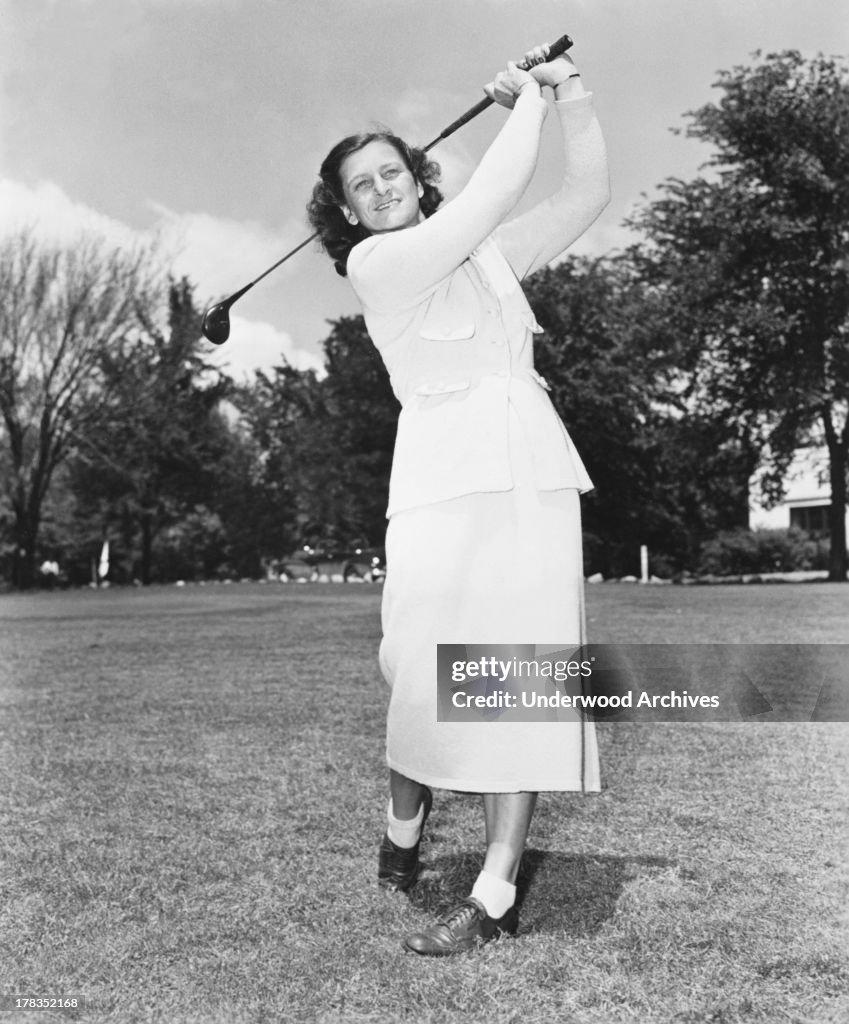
550,73
507,85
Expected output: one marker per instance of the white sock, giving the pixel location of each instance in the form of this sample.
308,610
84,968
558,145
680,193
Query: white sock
497,895
404,833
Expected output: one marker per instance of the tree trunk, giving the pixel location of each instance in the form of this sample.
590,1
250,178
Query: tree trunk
23,561
837,562
146,547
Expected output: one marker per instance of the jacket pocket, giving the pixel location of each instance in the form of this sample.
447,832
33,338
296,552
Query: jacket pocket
448,331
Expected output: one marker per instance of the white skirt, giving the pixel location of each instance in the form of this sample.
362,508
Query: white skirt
491,568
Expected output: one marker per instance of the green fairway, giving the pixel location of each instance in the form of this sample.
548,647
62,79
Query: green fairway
194,791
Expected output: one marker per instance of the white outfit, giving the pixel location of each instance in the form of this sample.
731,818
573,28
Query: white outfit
484,539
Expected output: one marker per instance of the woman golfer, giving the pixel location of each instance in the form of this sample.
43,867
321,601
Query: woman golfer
485,479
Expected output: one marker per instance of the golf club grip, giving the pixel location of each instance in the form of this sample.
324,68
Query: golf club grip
560,46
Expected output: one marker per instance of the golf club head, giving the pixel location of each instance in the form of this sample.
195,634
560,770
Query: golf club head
216,323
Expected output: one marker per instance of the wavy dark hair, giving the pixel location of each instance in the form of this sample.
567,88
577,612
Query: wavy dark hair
338,237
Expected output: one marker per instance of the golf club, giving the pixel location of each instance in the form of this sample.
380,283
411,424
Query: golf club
216,320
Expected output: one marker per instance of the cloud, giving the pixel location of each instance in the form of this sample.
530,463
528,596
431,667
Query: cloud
53,215
212,252
254,345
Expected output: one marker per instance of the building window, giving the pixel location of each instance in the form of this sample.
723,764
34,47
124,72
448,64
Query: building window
813,519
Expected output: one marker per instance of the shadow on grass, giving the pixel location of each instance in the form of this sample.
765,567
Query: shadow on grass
557,892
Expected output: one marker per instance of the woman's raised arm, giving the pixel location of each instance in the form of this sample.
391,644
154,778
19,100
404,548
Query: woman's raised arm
396,269
533,239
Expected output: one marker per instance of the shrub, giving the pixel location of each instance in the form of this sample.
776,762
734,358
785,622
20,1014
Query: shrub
734,552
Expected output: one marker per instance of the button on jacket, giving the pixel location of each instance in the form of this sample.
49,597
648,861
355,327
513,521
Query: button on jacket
459,346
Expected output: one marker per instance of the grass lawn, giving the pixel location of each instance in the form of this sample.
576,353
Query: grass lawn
194,791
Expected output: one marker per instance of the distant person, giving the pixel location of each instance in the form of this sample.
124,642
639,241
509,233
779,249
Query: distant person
484,473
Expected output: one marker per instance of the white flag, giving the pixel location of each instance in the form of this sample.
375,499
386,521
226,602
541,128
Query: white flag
103,567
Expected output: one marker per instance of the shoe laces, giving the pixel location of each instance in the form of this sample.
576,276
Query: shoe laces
458,915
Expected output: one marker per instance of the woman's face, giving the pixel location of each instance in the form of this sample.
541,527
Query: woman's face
381,192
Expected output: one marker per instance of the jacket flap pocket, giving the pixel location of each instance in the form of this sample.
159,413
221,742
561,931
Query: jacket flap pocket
452,330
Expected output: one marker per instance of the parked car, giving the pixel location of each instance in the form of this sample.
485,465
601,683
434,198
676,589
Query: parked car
366,564
310,564
298,567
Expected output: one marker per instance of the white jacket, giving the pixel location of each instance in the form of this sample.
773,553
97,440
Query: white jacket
443,304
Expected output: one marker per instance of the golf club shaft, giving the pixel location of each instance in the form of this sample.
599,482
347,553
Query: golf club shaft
216,324
555,50
283,259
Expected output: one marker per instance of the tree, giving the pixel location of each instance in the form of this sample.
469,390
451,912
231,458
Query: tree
156,459
602,387
60,310
752,261
364,411
610,356
326,442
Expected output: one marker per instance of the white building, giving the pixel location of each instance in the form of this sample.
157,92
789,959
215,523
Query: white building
807,497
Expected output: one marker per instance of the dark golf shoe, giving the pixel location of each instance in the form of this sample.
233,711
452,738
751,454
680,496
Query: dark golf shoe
397,866
462,928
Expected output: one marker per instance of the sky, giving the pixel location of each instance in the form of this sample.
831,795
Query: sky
202,123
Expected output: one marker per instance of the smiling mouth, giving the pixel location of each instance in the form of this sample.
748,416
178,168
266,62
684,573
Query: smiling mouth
386,205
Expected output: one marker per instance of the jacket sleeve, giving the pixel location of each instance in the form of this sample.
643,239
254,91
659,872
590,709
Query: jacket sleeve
533,239
398,269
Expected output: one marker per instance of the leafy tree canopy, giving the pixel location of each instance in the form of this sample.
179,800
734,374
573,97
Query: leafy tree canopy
751,257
